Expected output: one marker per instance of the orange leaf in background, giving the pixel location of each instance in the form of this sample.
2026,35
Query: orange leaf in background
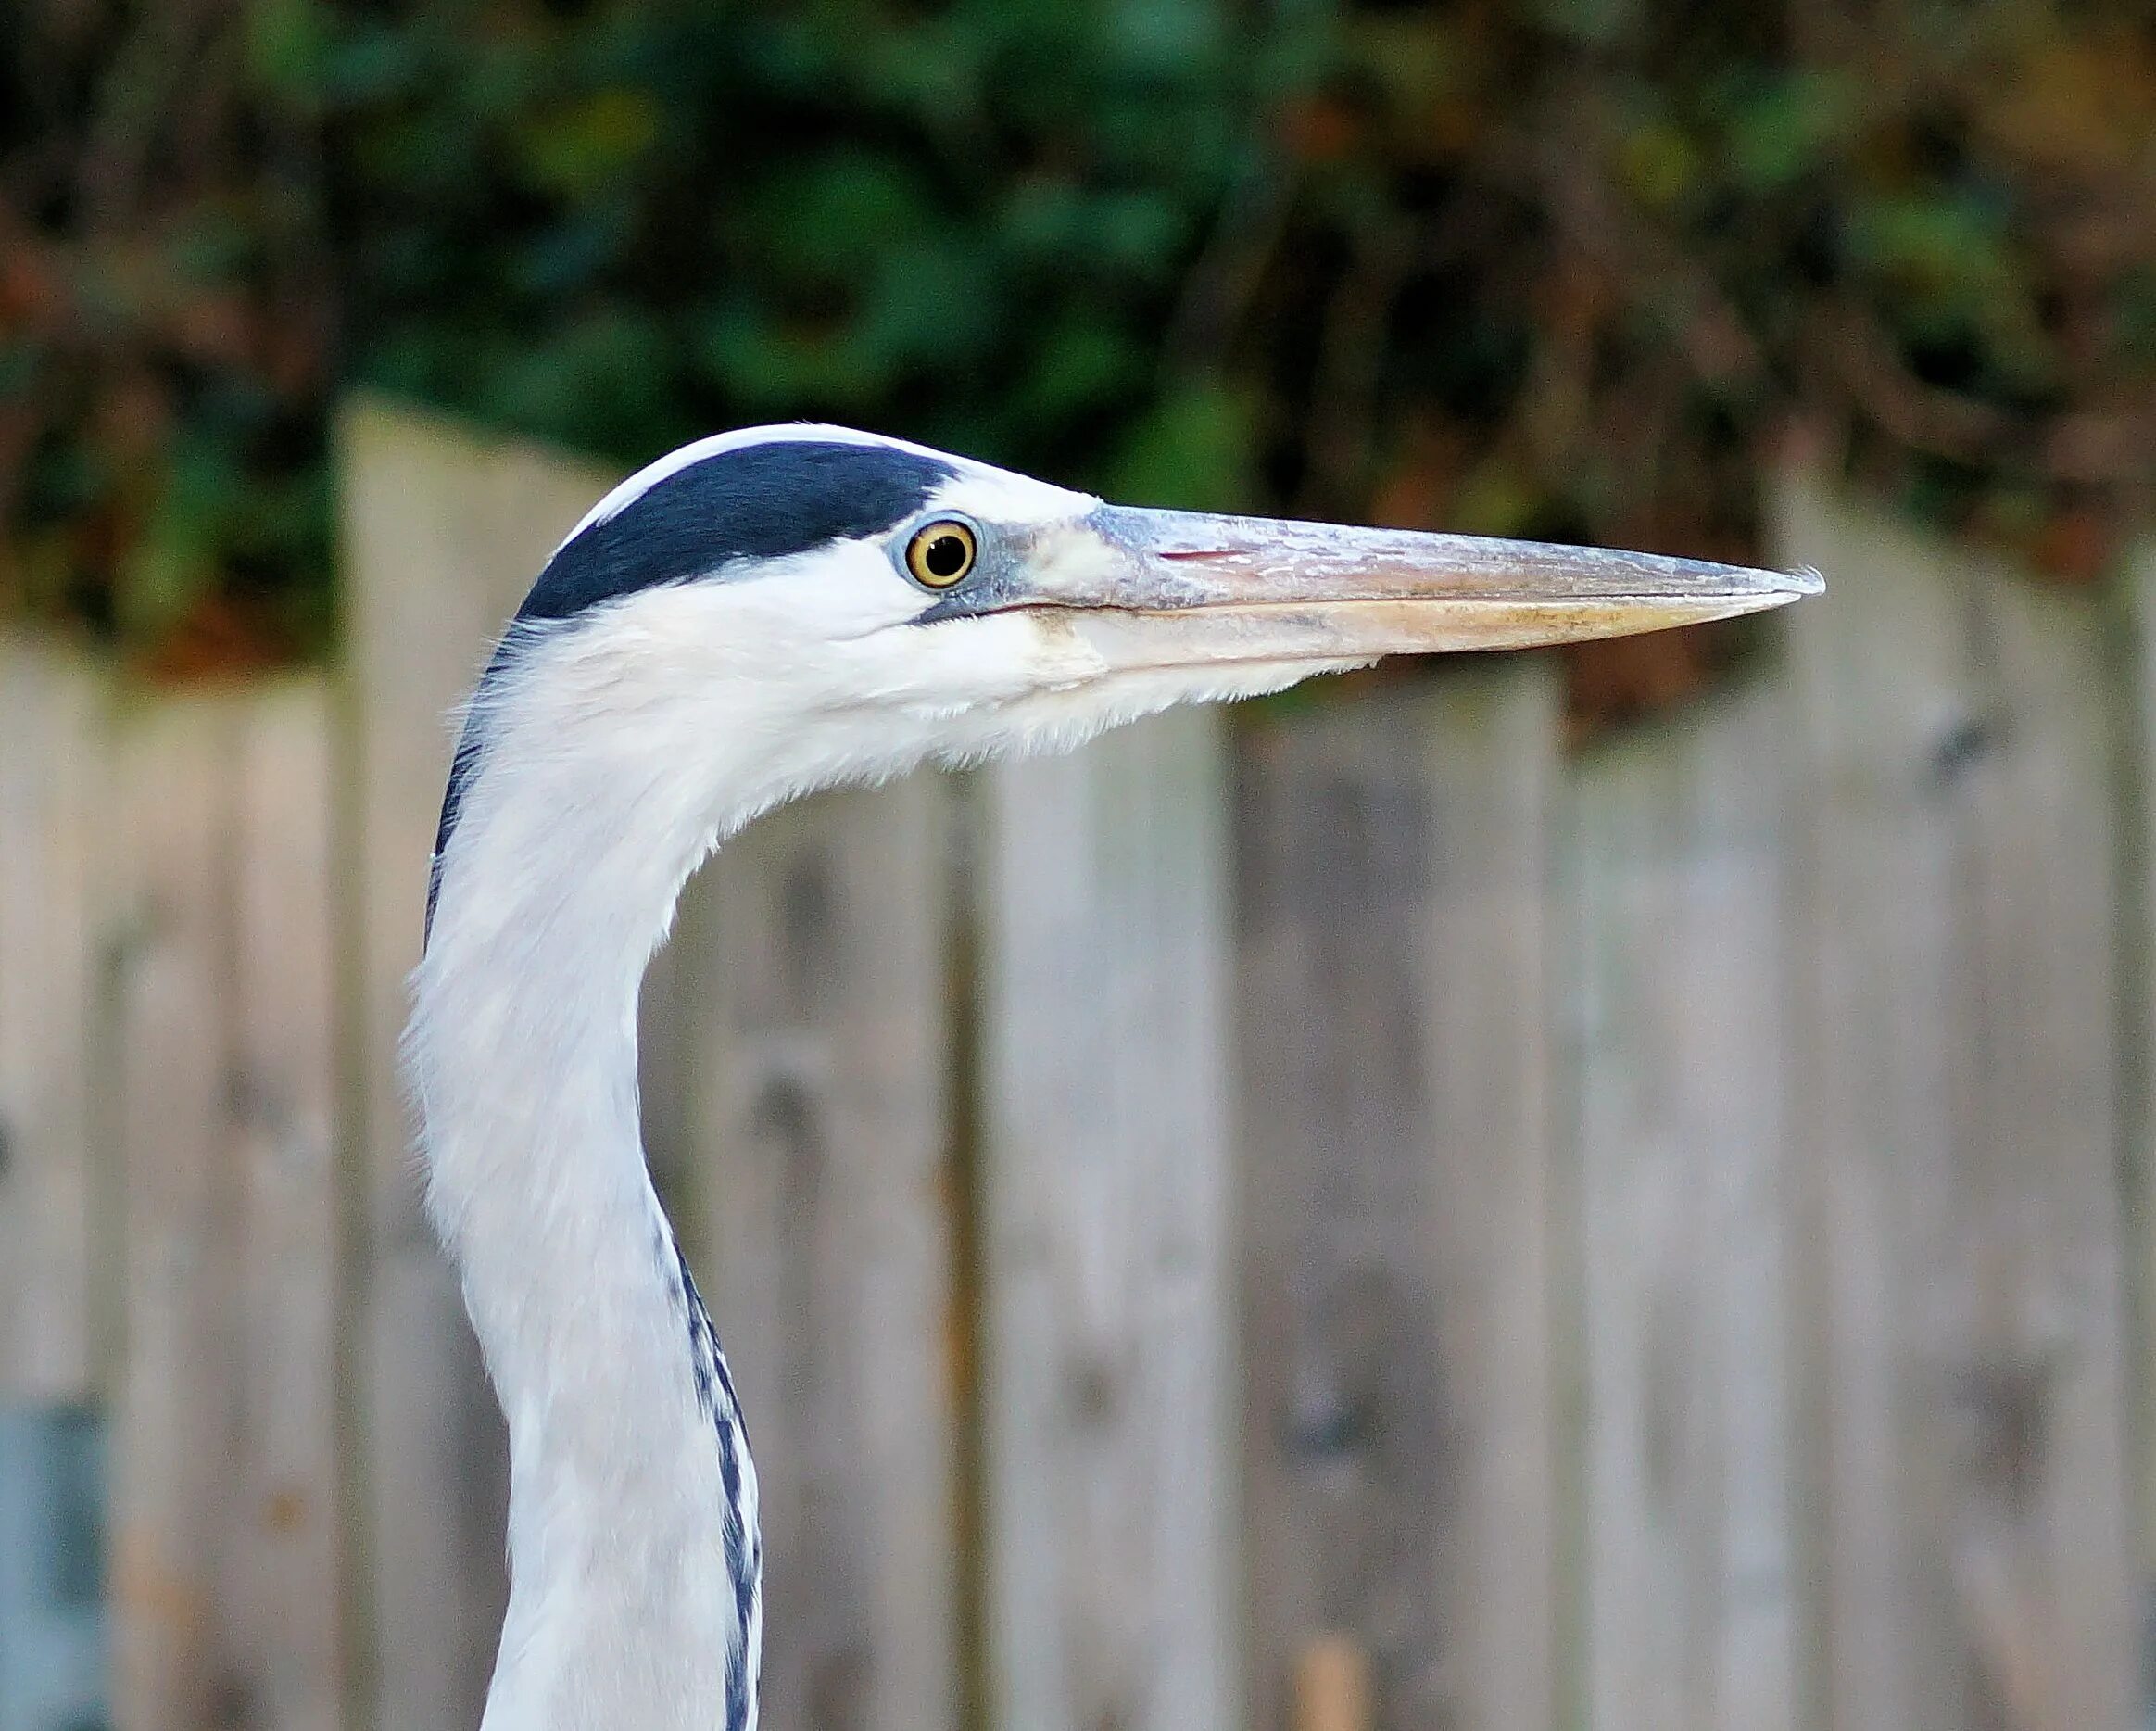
28,296
2075,545
217,638
1622,679
1414,492
1318,129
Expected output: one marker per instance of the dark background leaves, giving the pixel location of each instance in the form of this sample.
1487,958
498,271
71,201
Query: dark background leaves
1572,270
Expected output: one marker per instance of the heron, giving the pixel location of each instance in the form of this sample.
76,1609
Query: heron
758,615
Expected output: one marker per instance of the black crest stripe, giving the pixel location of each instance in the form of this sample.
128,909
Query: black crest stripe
759,502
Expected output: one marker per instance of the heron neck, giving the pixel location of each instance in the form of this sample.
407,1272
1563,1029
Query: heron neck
633,1548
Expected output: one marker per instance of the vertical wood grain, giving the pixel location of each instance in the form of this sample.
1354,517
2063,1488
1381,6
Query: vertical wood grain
1677,971
1400,1431
174,1495
226,1474
1890,706
2138,1115
1113,1575
1490,762
443,531
53,798
2042,1568
286,1578
806,993
1958,916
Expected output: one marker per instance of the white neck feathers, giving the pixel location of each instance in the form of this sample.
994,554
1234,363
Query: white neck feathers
632,1506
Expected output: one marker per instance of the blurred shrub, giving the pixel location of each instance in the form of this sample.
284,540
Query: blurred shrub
1563,267
617,226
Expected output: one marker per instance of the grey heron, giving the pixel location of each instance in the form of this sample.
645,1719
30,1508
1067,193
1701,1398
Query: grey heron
757,615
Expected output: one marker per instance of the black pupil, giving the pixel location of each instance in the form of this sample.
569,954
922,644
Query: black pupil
944,556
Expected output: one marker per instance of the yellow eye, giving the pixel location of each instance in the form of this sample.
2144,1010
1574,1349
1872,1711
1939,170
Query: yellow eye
941,552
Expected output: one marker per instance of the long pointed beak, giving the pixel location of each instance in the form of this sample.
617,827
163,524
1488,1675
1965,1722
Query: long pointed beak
1171,587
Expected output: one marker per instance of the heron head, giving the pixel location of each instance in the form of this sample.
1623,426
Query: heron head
776,609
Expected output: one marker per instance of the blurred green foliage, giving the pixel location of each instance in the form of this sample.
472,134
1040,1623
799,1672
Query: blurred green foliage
1562,267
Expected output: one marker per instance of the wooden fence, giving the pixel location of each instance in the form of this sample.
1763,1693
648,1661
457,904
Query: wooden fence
1339,1216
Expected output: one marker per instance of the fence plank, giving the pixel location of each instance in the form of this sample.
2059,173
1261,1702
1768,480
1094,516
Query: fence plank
2043,1066
52,800
286,1582
226,1482
1887,690
1674,874
1395,1118
174,1495
443,531
1959,1085
2138,1138
808,989
1112,1575
1489,761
